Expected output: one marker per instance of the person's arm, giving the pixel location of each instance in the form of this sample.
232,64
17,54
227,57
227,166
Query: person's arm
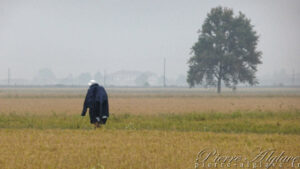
107,108
106,104
85,104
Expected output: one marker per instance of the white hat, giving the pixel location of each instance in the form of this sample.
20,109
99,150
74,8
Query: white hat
92,82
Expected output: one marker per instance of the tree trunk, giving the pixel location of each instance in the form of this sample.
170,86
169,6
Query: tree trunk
219,85
219,77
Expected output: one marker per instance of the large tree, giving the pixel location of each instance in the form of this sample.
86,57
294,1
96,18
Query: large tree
226,51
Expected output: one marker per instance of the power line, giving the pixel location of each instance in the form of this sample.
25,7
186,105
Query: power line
104,78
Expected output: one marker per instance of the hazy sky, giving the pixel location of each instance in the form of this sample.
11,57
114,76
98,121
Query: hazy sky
74,36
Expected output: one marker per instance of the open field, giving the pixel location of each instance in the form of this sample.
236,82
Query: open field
148,128
149,101
125,149
236,122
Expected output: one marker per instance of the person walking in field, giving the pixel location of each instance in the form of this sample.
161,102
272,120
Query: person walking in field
97,101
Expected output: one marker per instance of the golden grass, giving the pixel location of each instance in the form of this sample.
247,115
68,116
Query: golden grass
123,149
135,149
151,105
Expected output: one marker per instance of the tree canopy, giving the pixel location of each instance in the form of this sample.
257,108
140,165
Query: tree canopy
226,51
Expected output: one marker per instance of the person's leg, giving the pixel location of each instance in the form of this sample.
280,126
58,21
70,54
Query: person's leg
97,113
96,125
103,112
103,121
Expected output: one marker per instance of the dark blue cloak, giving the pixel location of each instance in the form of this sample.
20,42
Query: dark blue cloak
97,101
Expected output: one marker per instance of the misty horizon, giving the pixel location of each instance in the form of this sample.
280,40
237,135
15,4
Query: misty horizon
74,37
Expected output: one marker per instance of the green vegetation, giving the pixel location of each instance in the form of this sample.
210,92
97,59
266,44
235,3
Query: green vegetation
225,52
236,122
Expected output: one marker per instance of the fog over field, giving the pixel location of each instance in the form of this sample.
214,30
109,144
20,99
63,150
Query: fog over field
70,41
144,115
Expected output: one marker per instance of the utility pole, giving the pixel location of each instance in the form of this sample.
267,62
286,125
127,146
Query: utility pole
104,78
8,77
164,72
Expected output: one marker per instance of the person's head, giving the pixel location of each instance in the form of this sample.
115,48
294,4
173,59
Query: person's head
92,82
